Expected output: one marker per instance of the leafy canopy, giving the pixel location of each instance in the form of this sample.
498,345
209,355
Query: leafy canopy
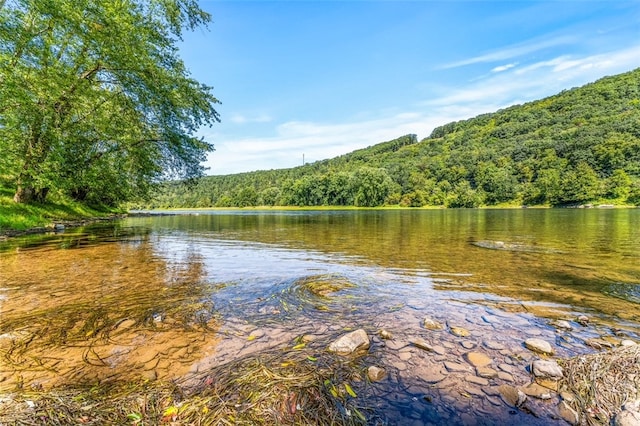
94,101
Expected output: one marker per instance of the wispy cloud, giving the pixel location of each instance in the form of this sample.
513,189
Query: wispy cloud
506,86
244,119
503,68
511,52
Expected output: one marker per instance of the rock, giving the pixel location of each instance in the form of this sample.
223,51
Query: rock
511,395
568,414
583,320
432,376
598,343
468,345
431,324
422,344
493,345
627,342
536,391
459,331
547,369
455,366
478,359
375,374
539,346
385,334
350,342
507,377
477,380
562,324
486,372
627,418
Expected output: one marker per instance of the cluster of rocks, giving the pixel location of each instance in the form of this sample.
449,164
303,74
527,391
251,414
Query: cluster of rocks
489,380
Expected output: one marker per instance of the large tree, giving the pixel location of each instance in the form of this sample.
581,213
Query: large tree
94,99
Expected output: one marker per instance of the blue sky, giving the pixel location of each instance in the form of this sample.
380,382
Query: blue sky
321,79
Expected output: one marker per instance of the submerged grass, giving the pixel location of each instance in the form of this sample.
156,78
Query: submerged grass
270,388
602,383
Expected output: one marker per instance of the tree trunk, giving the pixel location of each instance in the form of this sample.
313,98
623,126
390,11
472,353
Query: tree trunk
27,194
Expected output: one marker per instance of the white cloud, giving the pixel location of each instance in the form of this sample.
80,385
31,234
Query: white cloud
513,51
503,68
512,85
243,119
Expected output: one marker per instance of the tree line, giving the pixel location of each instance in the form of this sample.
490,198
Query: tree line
579,146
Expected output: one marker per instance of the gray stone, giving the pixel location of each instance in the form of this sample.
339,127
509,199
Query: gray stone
507,377
568,414
539,346
468,345
549,369
350,342
627,342
385,334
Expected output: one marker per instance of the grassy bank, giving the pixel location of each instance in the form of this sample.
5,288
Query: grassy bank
20,217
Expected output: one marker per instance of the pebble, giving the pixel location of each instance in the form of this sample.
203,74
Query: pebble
477,380
537,391
493,345
431,324
627,342
539,346
562,324
486,372
422,344
568,413
460,331
468,345
549,369
507,377
455,366
350,342
432,376
478,359
375,374
511,395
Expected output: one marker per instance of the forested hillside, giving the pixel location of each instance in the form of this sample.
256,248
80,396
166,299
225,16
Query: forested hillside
579,146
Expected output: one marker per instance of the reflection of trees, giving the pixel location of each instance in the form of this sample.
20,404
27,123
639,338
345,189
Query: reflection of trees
87,303
594,247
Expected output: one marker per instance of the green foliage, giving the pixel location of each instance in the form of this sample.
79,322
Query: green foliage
580,146
94,101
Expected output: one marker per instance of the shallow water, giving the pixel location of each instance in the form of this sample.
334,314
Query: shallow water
164,297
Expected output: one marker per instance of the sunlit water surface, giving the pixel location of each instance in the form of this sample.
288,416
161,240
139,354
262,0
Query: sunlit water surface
166,296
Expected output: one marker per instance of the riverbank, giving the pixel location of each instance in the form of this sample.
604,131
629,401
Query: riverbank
22,219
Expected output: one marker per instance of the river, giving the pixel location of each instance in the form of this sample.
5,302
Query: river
168,296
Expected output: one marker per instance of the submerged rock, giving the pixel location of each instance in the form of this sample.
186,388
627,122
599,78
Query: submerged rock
431,324
478,359
547,369
350,342
539,346
459,331
511,395
568,414
375,374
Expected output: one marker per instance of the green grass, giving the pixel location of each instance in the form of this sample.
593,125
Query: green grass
20,217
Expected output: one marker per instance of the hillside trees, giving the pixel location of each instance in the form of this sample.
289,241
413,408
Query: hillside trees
94,101
577,147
